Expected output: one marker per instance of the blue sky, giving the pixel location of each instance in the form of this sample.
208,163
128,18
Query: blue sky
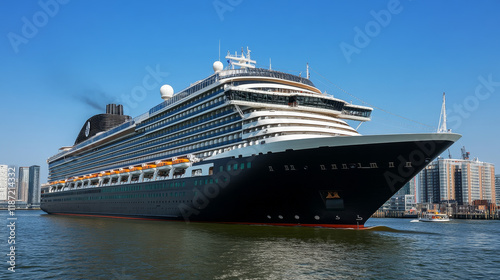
62,61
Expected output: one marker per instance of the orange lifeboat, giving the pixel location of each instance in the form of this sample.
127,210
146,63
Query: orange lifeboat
181,163
135,170
104,174
148,168
78,178
164,165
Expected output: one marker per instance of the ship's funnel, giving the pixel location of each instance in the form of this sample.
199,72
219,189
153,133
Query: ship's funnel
114,109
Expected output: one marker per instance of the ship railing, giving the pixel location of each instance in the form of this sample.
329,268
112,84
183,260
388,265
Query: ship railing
356,112
229,74
141,118
186,92
142,124
261,72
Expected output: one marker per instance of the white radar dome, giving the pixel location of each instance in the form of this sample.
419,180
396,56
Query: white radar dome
218,66
166,92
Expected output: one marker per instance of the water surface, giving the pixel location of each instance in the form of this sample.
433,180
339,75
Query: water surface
69,247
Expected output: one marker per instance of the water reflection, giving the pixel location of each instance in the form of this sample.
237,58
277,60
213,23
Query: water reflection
175,250
64,247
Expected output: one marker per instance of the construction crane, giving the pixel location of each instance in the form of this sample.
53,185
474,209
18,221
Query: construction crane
465,154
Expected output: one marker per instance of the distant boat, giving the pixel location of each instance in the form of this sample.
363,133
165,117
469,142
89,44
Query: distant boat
434,217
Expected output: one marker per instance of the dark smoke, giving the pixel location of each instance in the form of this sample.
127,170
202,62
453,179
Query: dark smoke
94,98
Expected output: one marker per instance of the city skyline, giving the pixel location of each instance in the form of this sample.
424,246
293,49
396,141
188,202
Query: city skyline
23,185
61,66
462,180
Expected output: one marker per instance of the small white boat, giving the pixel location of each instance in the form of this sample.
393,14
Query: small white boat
434,217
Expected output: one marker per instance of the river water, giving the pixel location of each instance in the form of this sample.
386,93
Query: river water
69,247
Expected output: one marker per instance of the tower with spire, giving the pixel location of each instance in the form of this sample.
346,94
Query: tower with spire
442,118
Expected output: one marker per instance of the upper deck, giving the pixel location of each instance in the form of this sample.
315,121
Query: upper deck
211,81
227,110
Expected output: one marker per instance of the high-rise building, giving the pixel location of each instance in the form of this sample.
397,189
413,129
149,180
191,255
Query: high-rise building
404,199
497,188
34,186
3,182
23,184
408,188
460,180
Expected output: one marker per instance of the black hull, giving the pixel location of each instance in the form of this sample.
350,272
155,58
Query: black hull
339,186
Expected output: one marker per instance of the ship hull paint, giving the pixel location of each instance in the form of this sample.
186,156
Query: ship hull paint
337,186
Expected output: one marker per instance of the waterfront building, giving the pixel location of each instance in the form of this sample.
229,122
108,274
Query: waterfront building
403,201
460,180
23,184
34,186
409,188
497,188
3,182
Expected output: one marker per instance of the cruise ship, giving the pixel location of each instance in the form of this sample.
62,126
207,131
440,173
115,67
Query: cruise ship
245,145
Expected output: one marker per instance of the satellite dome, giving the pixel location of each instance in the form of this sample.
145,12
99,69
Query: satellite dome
166,92
218,66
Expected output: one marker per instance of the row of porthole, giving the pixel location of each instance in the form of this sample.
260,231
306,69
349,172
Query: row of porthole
296,217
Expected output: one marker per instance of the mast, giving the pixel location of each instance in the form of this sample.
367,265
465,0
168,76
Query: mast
241,61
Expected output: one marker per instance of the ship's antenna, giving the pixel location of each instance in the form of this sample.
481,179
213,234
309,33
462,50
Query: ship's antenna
248,53
442,125
307,71
270,68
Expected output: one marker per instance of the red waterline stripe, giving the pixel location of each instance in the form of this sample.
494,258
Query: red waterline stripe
237,223
103,216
